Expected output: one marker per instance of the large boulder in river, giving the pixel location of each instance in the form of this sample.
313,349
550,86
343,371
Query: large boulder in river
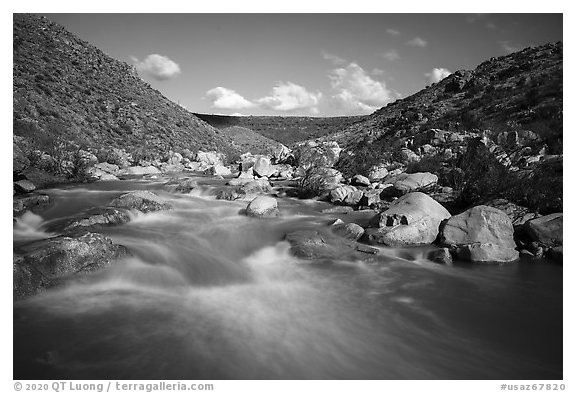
46,263
105,218
24,186
346,195
219,170
411,220
350,231
262,206
547,230
33,202
481,234
144,201
263,167
409,182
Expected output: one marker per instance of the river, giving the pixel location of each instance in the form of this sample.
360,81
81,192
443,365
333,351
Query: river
213,294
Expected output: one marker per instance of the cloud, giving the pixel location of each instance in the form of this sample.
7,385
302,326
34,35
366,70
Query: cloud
390,55
288,96
356,92
437,74
509,47
417,41
334,59
158,67
224,98
392,32
378,72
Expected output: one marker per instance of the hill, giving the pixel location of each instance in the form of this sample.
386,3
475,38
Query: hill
68,91
286,130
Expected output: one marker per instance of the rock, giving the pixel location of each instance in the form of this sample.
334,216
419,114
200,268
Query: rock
45,263
108,177
171,168
24,187
186,186
338,210
247,161
210,157
337,222
441,256
359,180
139,170
518,214
481,234
285,171
370,197
260,186
411,220
174,158
219,170
281,154
315,245
546,230
144,201
109,217
410,182
408,156
339,194
349,231
32,202
378,172
107,167
263,167
262,206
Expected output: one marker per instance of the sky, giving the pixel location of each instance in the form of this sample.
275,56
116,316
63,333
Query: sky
304,64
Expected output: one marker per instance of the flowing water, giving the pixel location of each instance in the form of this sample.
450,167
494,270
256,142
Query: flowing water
213,294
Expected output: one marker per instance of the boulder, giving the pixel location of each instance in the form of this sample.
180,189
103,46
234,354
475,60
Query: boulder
171,168
407,156
481,234
24,186
107,167
139,171
441,256
281,154
316,245
378,172
260,186
359,180
186,186
340,193
262,206
109,217
32,202
263,167
349,231
411,220
410,182
370,197
174,158
219,170
518,214
546,230
46,263
144,201
108,177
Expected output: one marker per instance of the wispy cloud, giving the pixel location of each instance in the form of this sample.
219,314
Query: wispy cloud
334,59
392,32
377,72
437,74
224,98
417,41
158,67
288,96
509,47
356,92
390,55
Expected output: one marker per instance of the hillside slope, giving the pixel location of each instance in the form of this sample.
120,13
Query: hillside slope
66,89
286,130
521,91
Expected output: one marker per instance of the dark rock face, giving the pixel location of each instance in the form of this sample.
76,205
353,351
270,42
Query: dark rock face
481,234
44,264
314,245
144,201
24,187
441,256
